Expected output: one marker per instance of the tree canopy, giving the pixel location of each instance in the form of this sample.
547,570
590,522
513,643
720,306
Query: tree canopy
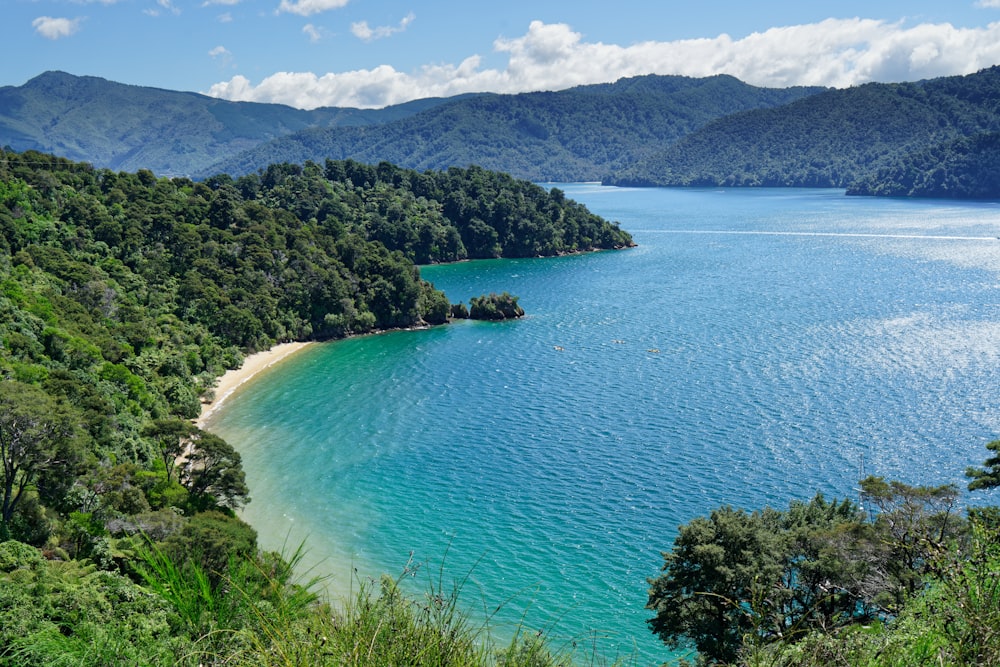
736,580
965,168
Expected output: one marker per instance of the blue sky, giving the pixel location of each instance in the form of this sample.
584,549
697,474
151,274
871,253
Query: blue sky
370,53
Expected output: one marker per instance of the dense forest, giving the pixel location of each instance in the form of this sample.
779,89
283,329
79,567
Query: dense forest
123,296
580,134
966,168
832,139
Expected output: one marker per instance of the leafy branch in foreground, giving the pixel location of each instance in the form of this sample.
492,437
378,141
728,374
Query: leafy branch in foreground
988,476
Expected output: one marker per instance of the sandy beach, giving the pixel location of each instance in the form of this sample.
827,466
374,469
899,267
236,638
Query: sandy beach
229,383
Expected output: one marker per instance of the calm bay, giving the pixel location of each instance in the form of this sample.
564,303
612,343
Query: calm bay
758,346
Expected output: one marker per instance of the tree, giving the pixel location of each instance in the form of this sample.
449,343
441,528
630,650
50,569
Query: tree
987,477
709,580
915,523
736,580
213,470
761,577
39,439
171,437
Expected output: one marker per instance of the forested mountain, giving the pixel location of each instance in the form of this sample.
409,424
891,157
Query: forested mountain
122,297
649,130
117,126
967,168
827,140
580,134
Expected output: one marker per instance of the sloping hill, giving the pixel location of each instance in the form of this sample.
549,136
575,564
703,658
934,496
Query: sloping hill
583,133
118,126
827,140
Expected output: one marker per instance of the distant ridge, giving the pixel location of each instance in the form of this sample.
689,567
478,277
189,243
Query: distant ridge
839,138
583,133
579,134
125,127
932,138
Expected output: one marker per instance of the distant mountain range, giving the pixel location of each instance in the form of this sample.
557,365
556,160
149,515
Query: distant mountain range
928,138
579,134
123,127
583,133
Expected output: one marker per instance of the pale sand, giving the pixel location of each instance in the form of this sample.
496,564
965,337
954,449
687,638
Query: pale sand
234,379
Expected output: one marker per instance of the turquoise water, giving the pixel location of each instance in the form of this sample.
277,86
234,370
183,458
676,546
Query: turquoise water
758,346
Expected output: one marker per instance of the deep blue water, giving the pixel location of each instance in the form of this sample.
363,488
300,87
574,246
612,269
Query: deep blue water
757,346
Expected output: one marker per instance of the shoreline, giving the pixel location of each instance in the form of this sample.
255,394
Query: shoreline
233,379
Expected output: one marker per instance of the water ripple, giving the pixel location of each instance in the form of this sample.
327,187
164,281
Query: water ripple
757,347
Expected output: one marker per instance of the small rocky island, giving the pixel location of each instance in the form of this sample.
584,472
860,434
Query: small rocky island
489,307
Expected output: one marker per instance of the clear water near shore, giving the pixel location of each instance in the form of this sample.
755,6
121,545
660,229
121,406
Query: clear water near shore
758,346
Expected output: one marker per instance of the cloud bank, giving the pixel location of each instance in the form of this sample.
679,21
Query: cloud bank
834,52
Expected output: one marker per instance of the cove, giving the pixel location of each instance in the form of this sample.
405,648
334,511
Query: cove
757,346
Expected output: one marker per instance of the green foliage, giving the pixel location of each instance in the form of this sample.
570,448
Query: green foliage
39,446
737,577
916,523
987,477
17,555
953,621
737,582
209,540
59,613
382,625
144,289
213,473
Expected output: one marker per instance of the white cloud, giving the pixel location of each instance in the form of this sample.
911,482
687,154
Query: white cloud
312,32
988,3
309,7
222,56
835,52
225,17
208,3
166,5
55,28
367,34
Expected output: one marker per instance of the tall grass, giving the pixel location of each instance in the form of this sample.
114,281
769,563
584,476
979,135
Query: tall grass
259,614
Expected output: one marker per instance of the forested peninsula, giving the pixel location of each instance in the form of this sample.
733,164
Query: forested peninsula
123,296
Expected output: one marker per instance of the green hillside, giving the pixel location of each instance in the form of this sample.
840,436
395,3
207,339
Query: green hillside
579,134
827,140
117,126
